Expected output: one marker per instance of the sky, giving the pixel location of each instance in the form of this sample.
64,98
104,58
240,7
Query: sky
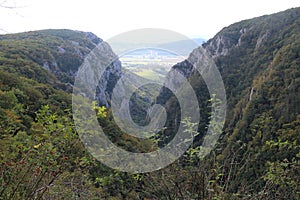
107,18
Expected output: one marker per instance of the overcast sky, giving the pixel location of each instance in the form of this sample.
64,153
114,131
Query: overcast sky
193,18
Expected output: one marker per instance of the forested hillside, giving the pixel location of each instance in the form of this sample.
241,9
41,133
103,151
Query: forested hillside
259,60
256,157
39,144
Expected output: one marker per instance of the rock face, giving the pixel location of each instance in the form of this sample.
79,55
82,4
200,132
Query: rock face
262,39
259,63
61,52
244,53
220,45
252,34
107,83
78,50
100,72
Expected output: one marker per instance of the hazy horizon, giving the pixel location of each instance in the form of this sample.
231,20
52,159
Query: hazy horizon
106,19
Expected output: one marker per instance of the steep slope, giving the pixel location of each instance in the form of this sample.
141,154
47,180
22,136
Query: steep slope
60,52
257,156
39,68
39,146
259,62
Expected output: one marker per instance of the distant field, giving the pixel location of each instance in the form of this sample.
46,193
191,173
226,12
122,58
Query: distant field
151,66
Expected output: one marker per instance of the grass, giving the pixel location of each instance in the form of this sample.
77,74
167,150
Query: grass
149,74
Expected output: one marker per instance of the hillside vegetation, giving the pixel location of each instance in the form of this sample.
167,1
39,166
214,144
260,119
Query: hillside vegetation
256,157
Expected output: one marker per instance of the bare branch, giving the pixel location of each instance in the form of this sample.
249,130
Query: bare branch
4,4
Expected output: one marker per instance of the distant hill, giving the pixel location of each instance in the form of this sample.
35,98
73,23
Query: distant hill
199,41
181,45
184,47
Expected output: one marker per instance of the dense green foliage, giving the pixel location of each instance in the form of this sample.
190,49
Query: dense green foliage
264,100
60,51
257,156
259,62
